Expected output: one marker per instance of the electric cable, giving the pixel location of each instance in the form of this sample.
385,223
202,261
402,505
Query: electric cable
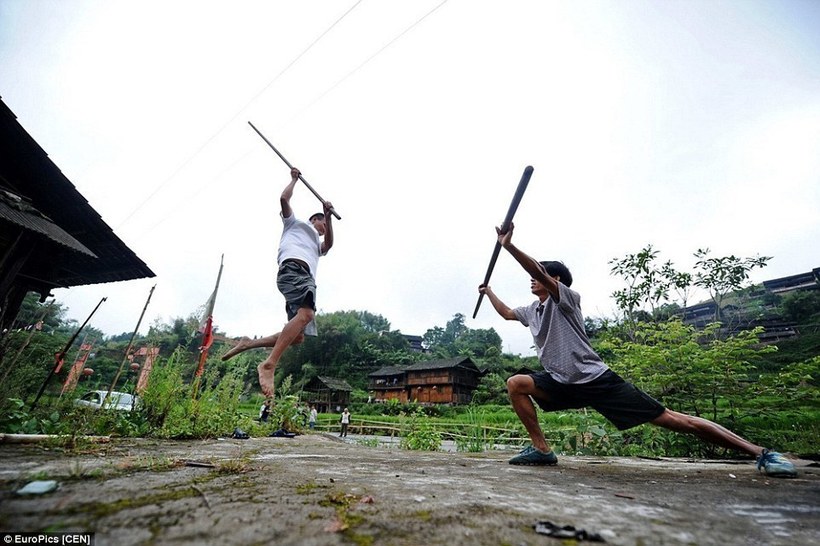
391,42
232,119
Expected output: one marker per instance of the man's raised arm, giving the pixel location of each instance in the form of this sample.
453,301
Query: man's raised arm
287,193
530,264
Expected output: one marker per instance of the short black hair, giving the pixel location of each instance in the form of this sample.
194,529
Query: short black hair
318,215
558,269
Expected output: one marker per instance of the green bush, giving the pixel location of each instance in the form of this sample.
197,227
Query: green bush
207,409
418,432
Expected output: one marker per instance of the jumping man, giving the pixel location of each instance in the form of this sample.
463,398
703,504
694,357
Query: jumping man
300,247
574,375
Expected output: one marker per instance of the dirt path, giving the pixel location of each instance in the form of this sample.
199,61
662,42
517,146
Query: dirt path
317,490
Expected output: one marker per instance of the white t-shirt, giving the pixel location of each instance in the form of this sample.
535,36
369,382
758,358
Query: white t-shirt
299,241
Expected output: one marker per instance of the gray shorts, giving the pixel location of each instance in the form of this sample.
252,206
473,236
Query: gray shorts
622,403
297,285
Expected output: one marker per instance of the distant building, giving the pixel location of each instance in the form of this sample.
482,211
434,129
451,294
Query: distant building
327,393
792,283
701,314
415,343
449,381
736,311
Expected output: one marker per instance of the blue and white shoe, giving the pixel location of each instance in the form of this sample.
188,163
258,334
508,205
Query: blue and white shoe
532,456
776,465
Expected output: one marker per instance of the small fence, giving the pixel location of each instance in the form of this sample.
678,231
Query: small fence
456,432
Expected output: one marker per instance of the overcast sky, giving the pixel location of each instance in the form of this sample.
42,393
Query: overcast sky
681,124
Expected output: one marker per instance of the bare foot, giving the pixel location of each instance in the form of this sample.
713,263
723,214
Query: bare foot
242,345
266,378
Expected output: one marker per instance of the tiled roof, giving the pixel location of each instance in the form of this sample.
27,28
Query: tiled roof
16,210
335,384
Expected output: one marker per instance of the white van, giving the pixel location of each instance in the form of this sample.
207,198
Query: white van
118,401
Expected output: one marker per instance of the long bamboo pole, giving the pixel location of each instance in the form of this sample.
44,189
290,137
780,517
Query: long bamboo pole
128,349
319,197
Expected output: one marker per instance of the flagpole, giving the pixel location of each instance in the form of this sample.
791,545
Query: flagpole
127,349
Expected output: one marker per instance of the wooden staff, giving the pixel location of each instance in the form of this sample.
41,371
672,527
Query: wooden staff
519,193
319,197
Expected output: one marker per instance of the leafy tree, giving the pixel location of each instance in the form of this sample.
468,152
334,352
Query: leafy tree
32,311
691,370
491,390
720,276
478,343
646,284
180,332
802,306
456,339
350,345
27,362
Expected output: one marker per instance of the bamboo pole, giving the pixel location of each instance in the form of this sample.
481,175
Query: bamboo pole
319,197
127,349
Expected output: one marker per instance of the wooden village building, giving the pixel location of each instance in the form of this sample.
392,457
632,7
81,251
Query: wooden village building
328,394
449,381
50,236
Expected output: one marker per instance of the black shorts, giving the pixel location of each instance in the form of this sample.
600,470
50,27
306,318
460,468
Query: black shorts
622,403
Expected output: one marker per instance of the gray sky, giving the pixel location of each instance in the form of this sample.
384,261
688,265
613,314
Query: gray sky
683,125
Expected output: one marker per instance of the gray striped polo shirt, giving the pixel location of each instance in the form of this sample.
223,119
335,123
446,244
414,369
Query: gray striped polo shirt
558,331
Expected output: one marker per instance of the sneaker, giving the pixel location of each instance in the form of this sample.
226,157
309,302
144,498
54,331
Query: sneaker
776,465
531,456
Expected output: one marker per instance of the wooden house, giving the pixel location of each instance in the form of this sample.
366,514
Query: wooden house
449,381
328,394
388,383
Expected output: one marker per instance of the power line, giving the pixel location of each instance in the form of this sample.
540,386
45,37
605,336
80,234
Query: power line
391,42
231,120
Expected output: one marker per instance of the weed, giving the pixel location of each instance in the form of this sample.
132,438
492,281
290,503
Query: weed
368,442
308,488
419,434
237,465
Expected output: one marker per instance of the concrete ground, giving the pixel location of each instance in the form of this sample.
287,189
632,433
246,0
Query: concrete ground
318,490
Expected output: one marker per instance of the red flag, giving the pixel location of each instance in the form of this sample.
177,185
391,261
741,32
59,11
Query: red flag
76,369
59,363
206,325
208,333
150,355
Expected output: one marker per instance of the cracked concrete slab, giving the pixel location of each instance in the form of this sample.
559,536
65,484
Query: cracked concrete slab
318,490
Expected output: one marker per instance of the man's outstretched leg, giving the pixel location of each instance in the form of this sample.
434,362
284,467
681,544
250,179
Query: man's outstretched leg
291,334
773,463
520,388
246,344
